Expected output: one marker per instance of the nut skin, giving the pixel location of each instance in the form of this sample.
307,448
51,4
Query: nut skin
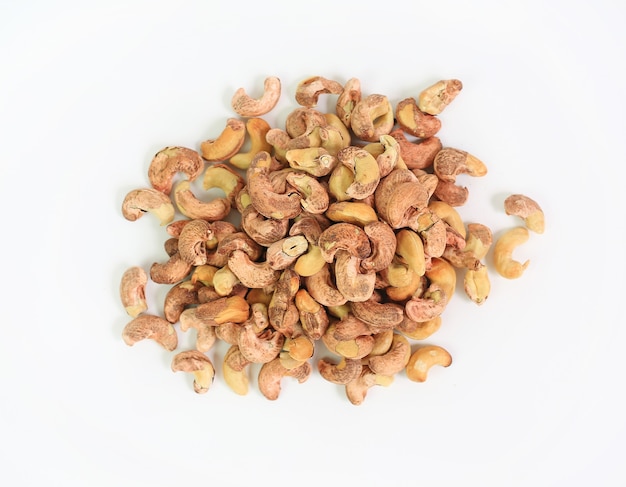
138,202
449,163
379,316
199,365
192,242
423,359
383,242
172,271
257,129
503,249
252,274
246,106
153,327
132,291
351,283
171,160
527,209
322,288
206,334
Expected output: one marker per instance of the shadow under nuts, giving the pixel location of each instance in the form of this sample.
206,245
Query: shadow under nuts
348,244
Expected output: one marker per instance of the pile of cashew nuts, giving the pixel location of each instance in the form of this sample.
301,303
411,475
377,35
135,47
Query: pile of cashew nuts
347,241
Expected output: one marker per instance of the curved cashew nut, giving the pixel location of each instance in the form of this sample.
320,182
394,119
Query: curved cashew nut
206,335
389,155
192,207
379,316
171,160
414,121
419,330
179,297
313,316
503,250
309,90
234,370
355,212
231,242
476,284
344,372
284,252
197,363
262,195
132,291
443,274
257,130
451,193
151,327
431,229
411,248
192,241
314,197
356,391
227,143
383,242
365,169
264,231
394,360
316,161
354,285
350,327
172,271
356,348
252,274
435,98
261,347
527,209
417,155
372,117
323,289
430,305
282,311
246,106
233,309
140,201
347,100
344,236
222,177
272,372
423,359
339,181
449,163
449,215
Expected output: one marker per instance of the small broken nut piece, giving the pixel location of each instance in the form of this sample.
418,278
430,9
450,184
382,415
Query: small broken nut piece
423,359
503,250
527,209
199,365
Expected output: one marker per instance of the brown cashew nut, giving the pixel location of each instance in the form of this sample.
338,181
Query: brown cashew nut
282,311
138,202
313,316
383,242
272,373
222,177
314,197
372,117
284,252
252,274
199,365
350,327
172,271
259,348
257,130
451,193
419,330
133,291
195,209
264,231
365,169
206,334
393,361
417,155
246,106
309,90
435,98
356,391
227,143
316,161
351,283
414,121
322,288
233,309
347,100
192,243
423,359
150,327
527,209
344,236
171,160
234,370
178,298
504,263
343,372
449,163
427,306
378,316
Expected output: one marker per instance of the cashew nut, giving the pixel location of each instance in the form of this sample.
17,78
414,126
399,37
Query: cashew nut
417,155
347,100
140,201
435,98
179,297
132,291
351,283
309,90
527,209
171,160
419,330
344,236
378,316
414,121
222,177
503,251
313,316
356,391
272,372
372,117
227,143
365,169
423,359
355,212
316,161
206,334
153,327
192,207
246,106
393,361
476,284
199,365
344,372
234,369
257,130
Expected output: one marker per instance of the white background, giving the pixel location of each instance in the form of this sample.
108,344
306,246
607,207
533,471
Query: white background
89,91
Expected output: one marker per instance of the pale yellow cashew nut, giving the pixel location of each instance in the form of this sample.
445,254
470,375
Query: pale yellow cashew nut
503,251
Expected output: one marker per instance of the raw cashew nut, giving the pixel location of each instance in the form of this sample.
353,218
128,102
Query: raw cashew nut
132,291
148,200
170,272
356,391
192,242
372,117
449,163
503,251
199,365
365,169
272,372
417,155
222,177
435,98
246,106
344,236
309,90
316,161
355,212
414,121
150,326
527,209
393,361
419,330
423,359
383,243
344,372
234,369
257,130
178,298
206,334
351,283
171,160
195,209
347,100
476,284
227,144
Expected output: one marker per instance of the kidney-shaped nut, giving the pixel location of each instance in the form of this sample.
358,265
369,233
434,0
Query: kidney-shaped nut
449,163
222,177
194,208
252,274
378,316
234,369
192,241
227,143
414,121
153,327
148,200
260,348
476,284
174,270
383,243
178,298
419,330
527,209
427,306
199,365
171,160
257,129
394,360
354,285
133,291
504,263
322,288
344,236
247,106
309,90
423,359
372,117
417,155
272,373
356,390
343,372
347,100
206,335
435,98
